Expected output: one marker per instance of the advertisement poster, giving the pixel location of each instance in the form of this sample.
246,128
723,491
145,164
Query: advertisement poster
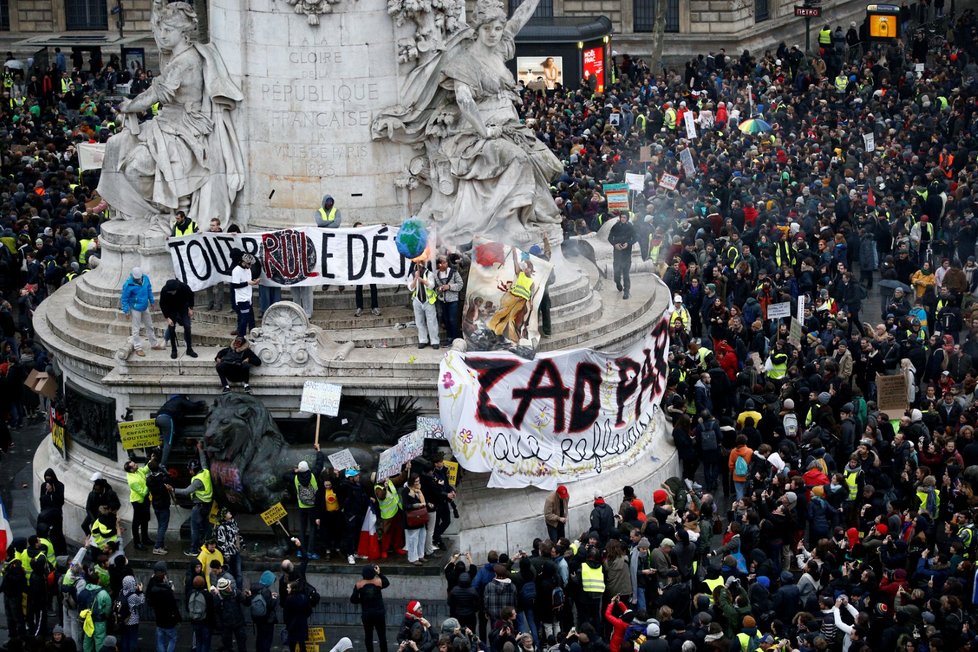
540,73
502,304
594,66
559,418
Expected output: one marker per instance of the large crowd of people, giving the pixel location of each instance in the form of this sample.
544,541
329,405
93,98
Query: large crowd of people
817,521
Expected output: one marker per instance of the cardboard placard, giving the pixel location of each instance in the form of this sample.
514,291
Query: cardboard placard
274,514
635,182
59,435
645,154
686,158
213,516
779,310
139,434
800,316
321,398
794,332
42,383
869,142
430,427
316,635
669,181
343,460
616,194
891,395
690,125
452,472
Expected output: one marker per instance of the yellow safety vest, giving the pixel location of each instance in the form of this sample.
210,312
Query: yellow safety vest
681,316
313,484
713,584
670,118
922,499
48,550
592,579
431,295
779,366
744,642
391,502
206,494
522,287
825,37
65,85
137,484
83,253
852,479
789,254
841,83
328,217
187,229
101,534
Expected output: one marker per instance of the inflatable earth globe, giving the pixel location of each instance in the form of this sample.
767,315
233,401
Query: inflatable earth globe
412,239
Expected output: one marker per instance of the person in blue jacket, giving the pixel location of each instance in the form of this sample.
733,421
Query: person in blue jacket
137,299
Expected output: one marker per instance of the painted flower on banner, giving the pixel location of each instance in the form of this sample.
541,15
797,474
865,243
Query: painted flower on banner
447,381
465,436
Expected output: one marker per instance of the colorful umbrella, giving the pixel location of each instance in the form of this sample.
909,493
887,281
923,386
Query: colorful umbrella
754,126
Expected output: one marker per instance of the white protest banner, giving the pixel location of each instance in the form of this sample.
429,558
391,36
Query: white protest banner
321,398
430,427
800,315
90,156
502,299
686,157
635,182
869,142
779,310
794,332
561,417
343,460
669,181
306,256
690,125
406,449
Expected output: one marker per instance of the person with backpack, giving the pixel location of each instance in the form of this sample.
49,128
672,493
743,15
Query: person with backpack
200,613
230,615
262,602
126,612
367,592
94,609
306,493
163,602
72,582
739,464
526,597
707,435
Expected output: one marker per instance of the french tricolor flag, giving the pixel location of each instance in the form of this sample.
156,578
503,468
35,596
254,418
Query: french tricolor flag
6,534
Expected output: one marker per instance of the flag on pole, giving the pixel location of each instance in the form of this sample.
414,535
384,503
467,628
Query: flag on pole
6,534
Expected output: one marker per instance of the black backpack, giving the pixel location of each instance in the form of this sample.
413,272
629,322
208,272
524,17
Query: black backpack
312,594
709,437
121,610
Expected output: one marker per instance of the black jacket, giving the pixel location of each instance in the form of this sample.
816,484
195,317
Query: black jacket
176,298
369,596
160,596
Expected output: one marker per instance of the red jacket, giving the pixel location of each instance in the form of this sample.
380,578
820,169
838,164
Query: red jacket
619,626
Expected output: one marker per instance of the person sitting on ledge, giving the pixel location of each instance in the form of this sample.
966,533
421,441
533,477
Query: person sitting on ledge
234,364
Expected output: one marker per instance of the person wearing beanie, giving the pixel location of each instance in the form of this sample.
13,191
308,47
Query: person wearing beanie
367,592
242,282
177,306
308,498
59,642
228,606
162,600
602,519
555,511
640,569
136,300
262,603
109,644
629,499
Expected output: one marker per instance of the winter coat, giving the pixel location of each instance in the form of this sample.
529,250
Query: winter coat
463,600
868,255
230,615
297,611
603,521
136,295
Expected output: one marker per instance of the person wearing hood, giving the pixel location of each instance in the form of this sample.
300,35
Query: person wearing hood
234,364
132,593
368,593
555,511
95,604
463,602
261,592
52,502
602,519
60,641
499,593
177,306
136,301
308,497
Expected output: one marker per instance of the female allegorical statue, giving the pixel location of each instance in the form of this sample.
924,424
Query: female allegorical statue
187,157
489,174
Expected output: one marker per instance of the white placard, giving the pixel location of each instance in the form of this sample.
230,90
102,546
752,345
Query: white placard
779,310
669,181
690,125
801,309
321,398
686,157
90,156
343,460
635,182
869,142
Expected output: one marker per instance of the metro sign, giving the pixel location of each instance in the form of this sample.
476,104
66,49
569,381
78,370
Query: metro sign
808,12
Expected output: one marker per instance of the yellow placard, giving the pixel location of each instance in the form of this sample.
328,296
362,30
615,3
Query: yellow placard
139,434
452,472
883,26
59,438
316,635
274,514
212,517
312,647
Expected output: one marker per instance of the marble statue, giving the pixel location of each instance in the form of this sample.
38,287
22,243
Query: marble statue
488,173
288,344
187,157
312,9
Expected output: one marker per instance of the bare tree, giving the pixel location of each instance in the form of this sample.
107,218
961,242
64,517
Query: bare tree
658,36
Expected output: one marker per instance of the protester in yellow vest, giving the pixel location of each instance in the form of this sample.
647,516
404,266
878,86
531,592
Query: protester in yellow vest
201,492
328,216
183,225
680,316
510,319
306,493
389,500
139,498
